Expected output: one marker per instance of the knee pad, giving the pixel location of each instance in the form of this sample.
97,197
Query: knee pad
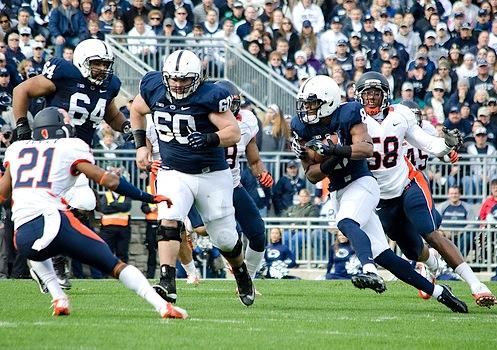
345,225
236,251
165,233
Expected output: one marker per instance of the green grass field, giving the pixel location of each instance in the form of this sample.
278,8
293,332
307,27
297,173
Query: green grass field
290,315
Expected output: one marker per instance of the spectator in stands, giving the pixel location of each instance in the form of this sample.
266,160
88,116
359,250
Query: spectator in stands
308,36
202,9
23,67
473,182
490,203
5,90
26,41
24,20
483,117
419,79
285,191
275,63
94,30
267,12
277,254
243,28
275,131
115,227
37,60
211,23
436,99
480,99
106,20
67,26
6,133
108,144
352,22
118,29
88,11
287,33
156,5
304,208
182,25
275,20
342,263
142,40
171,7
409,38
137,9
68,53
455,121
5,23
301,65
384,53
118,7
329,39
42,10
154,20
454,209
232,10
307,10
448,76
255,49
290,74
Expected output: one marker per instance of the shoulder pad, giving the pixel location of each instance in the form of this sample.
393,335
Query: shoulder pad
58,69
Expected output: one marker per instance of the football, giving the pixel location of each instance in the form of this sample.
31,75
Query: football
315,157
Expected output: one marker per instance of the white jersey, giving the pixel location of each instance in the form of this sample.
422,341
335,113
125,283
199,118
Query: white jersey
42,172
418,157
151,135
388,164
247,122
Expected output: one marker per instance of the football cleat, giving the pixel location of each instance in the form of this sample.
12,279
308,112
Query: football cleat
60,264
167,284
451,301
423,271
60,307
41,284
484,297
369,280
172,311
193,279
245,288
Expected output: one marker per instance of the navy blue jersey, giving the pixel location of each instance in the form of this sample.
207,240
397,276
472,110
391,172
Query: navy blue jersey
342,120
172,119
85,102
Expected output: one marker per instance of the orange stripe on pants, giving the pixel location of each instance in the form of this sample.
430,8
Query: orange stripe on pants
78,226
153,178
417,176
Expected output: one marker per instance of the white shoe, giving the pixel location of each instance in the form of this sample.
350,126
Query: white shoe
193,279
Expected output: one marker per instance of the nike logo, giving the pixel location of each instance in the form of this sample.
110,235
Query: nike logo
184,108
395,124
102,91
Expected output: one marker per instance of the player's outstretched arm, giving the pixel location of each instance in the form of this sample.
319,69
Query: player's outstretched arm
256,165
21,97
5,185
117,184
116,118
420,139
138,111
362,145
229,131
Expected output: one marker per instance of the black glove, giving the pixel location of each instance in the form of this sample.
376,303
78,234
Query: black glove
319,147
297,148
23,131
453,138
198,140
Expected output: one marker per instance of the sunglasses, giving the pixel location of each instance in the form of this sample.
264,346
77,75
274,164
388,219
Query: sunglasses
5,21
40,41
25,34
13,39
439,90
181,13
155,19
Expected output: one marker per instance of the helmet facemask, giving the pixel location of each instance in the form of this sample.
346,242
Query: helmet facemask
183,84
309,110
373,99
98,75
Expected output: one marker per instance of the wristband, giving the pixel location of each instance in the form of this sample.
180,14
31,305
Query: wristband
140,138
128,190
344,151
212,139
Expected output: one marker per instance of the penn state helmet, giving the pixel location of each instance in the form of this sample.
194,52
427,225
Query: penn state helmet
318,97
49,124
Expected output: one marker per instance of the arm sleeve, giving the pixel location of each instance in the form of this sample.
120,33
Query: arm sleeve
425,142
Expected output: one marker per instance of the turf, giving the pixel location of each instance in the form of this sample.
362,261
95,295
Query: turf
290,315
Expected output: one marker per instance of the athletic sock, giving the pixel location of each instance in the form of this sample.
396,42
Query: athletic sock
190,268
432,261
45,271
370,268
133,279
404,271
253,260
468,275
358,239
437,291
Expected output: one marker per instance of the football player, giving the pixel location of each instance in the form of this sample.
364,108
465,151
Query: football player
194,123
319,114
85,89
406,208
38,173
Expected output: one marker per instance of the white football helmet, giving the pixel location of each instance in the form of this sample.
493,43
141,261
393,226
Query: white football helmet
93,50
178,66
318,97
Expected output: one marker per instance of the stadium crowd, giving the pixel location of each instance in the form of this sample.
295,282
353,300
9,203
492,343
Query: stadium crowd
440,54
